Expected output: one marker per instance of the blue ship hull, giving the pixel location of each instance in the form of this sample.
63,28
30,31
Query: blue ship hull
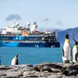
28,44
28,41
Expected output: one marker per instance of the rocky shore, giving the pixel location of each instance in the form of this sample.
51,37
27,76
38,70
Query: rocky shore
44,70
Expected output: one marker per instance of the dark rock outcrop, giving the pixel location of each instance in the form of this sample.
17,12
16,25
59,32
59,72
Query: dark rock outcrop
45,70
47,67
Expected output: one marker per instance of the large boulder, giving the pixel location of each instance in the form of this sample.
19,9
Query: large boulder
50,67
70,70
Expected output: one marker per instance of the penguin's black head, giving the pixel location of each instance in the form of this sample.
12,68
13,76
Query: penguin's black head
17,55
67,36
76,42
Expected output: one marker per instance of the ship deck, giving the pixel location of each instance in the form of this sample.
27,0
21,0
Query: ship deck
26,41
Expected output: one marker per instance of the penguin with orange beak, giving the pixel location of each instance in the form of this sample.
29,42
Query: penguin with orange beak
66,55
75,52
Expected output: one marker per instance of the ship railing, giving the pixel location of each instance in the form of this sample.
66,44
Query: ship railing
30,34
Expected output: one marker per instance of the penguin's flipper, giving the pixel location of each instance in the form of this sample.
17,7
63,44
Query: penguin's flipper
16,61
76,56
62,51
71,54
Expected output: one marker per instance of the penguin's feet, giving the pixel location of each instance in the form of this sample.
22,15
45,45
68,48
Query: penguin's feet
66,61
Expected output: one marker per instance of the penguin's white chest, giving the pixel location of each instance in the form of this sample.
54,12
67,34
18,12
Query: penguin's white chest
67,50
13,62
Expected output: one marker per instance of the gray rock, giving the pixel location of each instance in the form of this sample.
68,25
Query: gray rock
55,76
68,76
77,76
36,68
42,77
2,74
25,67
46,74
45,70
31,74
5,67
16,74
29,77
48,66
26,73
9,77
70,70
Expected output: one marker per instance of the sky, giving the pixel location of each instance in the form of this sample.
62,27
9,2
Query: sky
60,14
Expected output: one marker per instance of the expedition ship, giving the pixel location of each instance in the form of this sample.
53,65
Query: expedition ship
17,36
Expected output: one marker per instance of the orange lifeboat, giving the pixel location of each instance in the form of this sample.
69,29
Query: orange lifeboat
25,33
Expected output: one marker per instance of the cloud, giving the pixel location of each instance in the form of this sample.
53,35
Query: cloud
13,17
59,23
46,20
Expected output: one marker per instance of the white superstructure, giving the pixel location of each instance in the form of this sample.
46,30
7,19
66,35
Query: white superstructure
34,28
12,29
15,28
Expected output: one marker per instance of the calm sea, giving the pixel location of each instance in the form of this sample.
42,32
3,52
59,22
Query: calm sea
30,55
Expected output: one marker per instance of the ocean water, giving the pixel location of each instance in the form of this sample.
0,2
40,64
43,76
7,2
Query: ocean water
28,55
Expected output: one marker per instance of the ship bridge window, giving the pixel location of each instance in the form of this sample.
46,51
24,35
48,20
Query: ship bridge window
18,38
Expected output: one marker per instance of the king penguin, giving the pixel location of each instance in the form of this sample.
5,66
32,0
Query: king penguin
75,52
66,57
15,60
